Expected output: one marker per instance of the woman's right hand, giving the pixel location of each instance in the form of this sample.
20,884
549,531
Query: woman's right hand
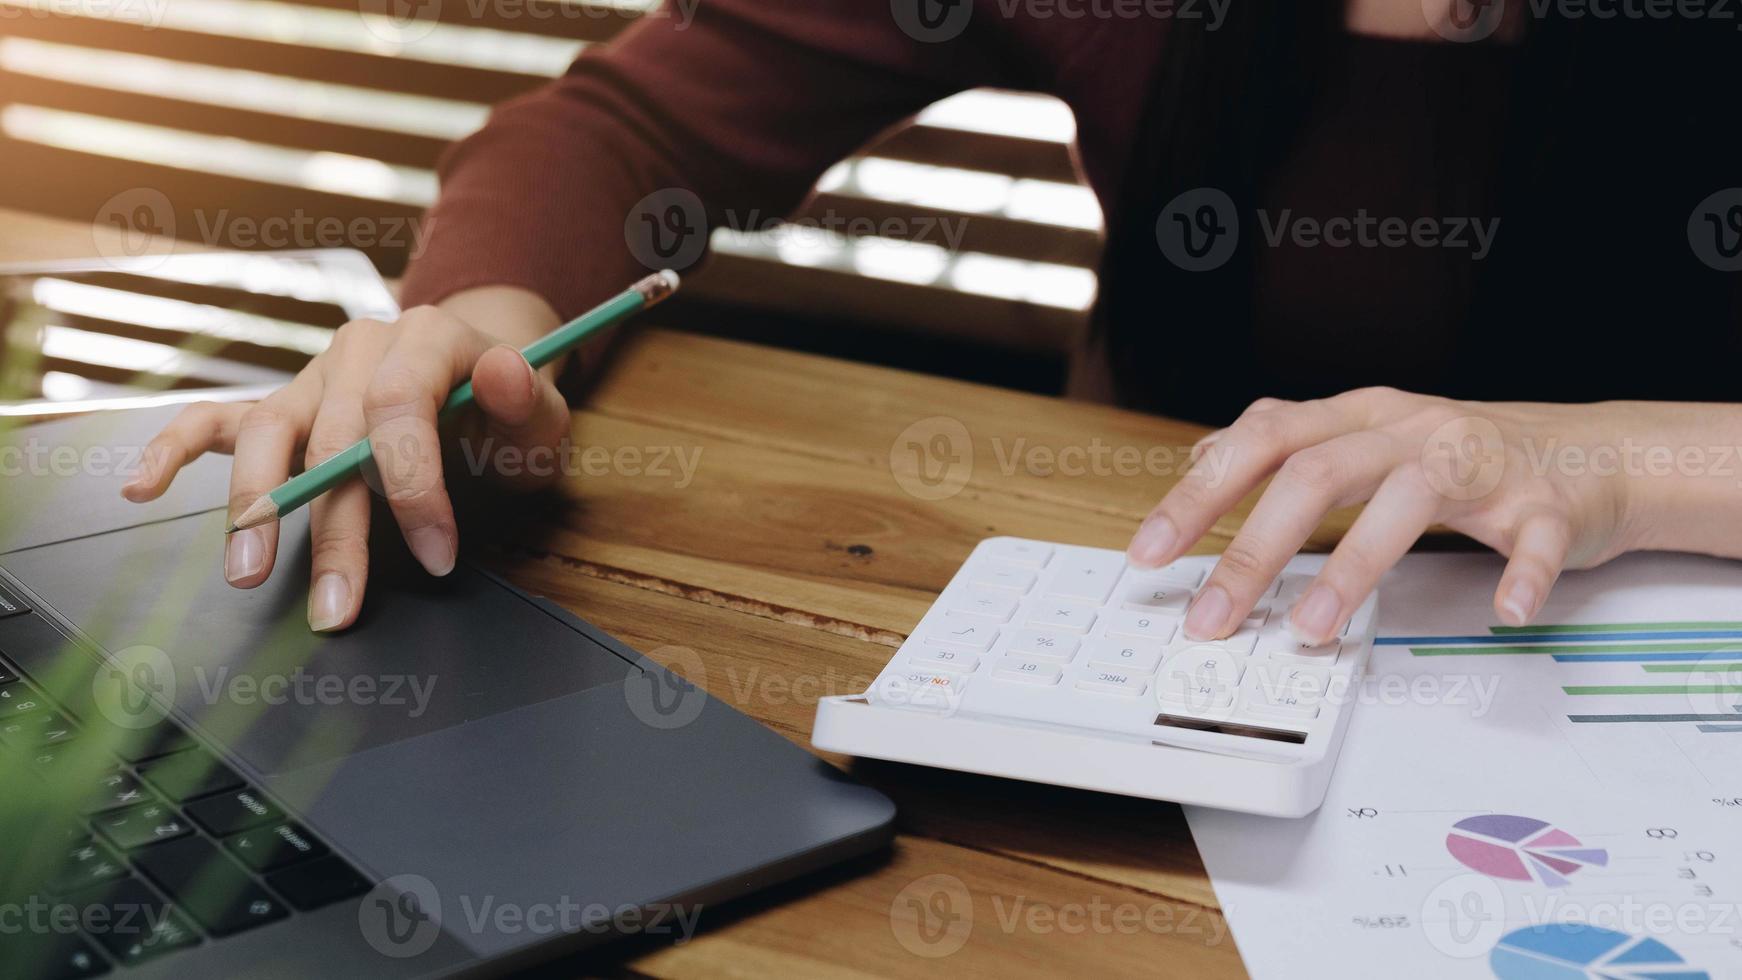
384,381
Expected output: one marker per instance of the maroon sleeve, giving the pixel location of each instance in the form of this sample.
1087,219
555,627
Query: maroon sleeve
741,103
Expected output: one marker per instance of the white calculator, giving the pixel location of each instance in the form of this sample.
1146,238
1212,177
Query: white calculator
1060,664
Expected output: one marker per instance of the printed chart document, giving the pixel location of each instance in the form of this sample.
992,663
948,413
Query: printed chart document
1557,802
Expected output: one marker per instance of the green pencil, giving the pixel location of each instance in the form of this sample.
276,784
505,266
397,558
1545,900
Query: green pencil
341,466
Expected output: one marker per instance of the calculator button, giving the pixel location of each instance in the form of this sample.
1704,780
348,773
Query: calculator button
1156,597
1303,683
1134,657
960,661
1281,705
1186,576
1181,692
1030,554
1290,586
1058,617
1027,672
1152,627
998,604
999,575
1085,579
1123,683
1206,665
1241,642
1283,649
1256,618
920,688
1042,645
971,632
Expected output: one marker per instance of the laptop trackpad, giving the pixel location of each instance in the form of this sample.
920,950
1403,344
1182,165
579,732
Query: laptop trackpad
428,654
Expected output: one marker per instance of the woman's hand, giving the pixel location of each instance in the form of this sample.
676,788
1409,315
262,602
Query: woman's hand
1548,486
385,381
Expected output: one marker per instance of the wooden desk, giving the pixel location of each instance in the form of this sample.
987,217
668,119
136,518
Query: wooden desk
790,566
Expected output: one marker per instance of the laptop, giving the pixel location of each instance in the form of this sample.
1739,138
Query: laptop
470,780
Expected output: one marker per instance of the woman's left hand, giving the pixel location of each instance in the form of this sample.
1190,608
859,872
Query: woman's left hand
1497,472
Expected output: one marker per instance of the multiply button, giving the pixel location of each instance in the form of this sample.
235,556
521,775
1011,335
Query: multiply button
1059,617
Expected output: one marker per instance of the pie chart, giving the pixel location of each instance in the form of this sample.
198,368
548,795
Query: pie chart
1583,952
1515,848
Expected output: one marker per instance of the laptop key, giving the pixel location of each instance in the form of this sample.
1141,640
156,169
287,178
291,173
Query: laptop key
139,826
18,698
317,883
275,846
11,605
115,790
36,729
87,864
51,956
189,775
233,812
134,925
209,886
150,743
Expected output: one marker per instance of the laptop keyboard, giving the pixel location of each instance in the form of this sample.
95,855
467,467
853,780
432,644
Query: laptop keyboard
170,848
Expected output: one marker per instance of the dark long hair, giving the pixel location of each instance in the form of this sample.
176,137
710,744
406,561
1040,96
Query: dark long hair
1593,109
